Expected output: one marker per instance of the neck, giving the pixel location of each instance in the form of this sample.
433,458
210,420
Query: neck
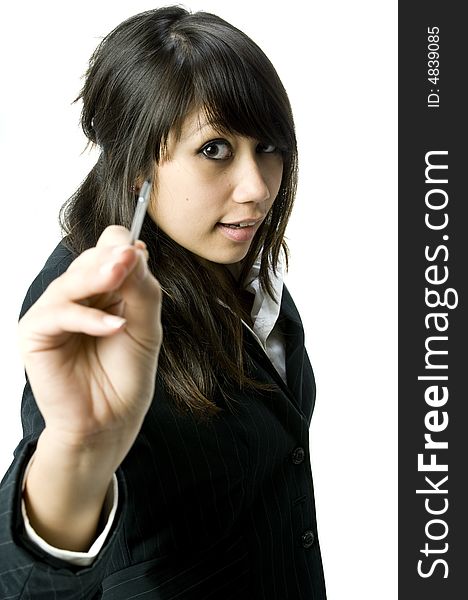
227,277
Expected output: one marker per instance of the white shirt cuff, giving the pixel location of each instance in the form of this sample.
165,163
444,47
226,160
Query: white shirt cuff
80,559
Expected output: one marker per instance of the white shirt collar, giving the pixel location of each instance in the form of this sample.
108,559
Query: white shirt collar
265,310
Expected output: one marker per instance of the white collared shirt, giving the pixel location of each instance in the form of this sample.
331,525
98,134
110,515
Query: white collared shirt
264,314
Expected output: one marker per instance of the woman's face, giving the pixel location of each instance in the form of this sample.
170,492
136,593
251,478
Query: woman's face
210,180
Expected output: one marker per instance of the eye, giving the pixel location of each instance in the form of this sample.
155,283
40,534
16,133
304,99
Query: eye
217,150
266,148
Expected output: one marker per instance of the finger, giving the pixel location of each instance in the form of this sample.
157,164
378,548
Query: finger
102,271
114,235
142,246
142,298
112,278
43,327
112,238
131,289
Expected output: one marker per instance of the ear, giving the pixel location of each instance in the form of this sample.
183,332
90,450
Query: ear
136,187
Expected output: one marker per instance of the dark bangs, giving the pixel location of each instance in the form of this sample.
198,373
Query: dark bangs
232,81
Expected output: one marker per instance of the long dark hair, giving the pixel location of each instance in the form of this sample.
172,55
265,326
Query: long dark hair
143,79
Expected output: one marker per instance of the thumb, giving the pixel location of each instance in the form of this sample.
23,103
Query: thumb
142,296
140,290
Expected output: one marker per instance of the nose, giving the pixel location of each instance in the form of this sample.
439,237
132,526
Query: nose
251,183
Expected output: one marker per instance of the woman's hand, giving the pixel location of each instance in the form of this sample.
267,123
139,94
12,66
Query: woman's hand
90,345
93,373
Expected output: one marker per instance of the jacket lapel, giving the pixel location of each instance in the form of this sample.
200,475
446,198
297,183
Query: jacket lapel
291,326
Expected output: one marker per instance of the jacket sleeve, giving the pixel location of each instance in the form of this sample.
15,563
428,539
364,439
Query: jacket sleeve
27,571
81,559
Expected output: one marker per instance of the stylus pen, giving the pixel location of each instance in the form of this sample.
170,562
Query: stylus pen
140,211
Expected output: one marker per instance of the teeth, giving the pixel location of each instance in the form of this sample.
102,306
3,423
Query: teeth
239,225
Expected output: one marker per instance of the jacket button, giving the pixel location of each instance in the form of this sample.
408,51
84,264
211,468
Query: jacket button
308,538
297,455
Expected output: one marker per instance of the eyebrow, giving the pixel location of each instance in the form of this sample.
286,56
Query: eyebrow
197,129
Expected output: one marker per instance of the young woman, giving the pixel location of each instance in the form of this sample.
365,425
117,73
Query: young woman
169,393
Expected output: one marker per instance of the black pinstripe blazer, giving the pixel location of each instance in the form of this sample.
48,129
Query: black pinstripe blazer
223,511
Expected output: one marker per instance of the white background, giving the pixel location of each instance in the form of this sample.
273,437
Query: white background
337,60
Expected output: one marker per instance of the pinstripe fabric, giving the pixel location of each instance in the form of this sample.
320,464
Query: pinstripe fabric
218,511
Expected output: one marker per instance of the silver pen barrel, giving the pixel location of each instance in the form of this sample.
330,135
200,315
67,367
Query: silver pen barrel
140,210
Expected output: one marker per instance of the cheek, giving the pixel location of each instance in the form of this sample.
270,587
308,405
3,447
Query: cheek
275,179
183,209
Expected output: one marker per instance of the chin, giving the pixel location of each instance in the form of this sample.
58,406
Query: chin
223,260
232,257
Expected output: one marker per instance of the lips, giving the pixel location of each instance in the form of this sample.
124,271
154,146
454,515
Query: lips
240,233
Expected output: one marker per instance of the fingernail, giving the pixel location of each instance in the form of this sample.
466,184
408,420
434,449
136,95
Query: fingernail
113,321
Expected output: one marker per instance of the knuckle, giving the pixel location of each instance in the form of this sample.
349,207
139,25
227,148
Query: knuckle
55,288
82,259
114,235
